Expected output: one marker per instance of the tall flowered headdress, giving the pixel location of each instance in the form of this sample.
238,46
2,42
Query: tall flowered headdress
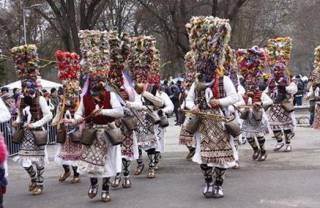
315,74
68,65
208,37
104,55
26,62
279,52
189,64
252,62
144,60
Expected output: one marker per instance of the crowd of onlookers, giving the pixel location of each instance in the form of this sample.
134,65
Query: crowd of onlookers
11,99
177,91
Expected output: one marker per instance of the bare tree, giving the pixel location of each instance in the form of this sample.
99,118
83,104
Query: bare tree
67,21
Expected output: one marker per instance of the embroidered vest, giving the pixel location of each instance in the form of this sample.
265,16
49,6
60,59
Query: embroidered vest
90,105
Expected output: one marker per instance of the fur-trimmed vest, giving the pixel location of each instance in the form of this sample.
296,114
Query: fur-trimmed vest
90,105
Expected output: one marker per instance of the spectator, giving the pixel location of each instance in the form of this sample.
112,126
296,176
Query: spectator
298,97
175,100
312,103
166,88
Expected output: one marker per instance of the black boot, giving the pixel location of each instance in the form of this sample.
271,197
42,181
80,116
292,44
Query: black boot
39,189
288,137
126,180
117,180
208,186
218,190
263,153
151,171
33,175
157,157
93,188
140,166
105,194
255,148
278,136
191,153
76,175
66,173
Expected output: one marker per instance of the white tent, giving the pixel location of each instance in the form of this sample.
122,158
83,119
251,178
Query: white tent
46,84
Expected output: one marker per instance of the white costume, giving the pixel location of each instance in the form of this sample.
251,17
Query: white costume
112,163
230,98
159,131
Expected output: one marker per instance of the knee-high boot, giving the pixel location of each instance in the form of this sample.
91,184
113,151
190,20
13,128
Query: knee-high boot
263,153
76,175
278,136
126,172
66,173
33,176
219,176
116,182
157,157
105,194
151,156
39,189
288,136
208,187
140,166
255,148
93,188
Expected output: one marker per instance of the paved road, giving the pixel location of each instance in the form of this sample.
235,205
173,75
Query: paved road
285,180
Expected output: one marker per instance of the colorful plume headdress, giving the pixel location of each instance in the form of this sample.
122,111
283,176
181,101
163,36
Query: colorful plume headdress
104,56
26,62
315,74
208,37
144,60
68,65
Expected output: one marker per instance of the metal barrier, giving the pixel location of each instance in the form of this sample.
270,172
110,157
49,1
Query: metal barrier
7,130
52,134
302,115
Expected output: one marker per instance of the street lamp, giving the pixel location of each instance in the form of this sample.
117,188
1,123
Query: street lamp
24,20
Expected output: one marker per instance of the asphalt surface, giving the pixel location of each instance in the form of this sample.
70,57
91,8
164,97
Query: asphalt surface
285,180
